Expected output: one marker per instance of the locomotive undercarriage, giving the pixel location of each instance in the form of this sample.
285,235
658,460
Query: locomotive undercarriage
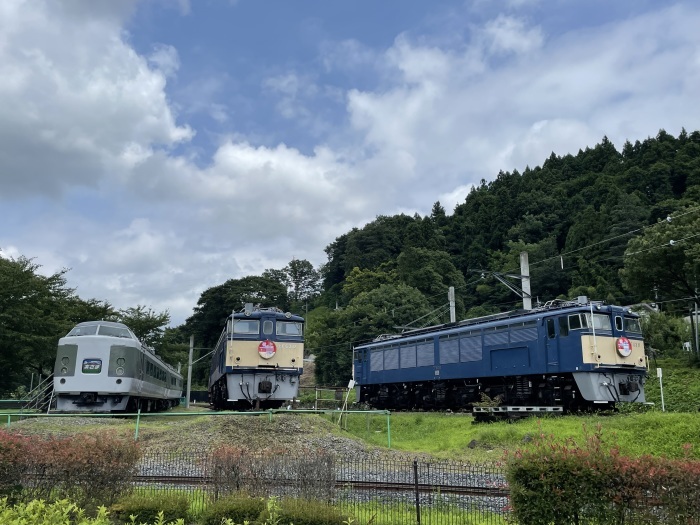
259,391
463,395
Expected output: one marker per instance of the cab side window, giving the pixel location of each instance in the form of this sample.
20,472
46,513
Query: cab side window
551,333
563,326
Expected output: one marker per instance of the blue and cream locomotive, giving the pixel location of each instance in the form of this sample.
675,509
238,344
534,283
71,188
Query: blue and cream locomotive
258,360
101,366
574,355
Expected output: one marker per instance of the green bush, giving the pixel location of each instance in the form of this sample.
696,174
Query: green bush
39,512
555,482
146,508
236,508
301,512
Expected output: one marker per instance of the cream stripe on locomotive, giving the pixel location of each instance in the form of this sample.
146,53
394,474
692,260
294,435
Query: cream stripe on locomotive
248,354
608,350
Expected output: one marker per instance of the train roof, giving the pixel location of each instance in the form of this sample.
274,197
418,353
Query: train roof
549,307
257,312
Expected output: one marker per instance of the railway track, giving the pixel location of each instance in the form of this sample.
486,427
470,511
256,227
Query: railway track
369,486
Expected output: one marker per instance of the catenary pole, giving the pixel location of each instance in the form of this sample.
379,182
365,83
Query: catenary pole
189,373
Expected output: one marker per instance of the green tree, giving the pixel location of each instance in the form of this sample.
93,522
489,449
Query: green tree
147,325
664,262
35,312
378,311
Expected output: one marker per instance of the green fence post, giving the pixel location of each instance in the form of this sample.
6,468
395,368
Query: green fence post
138,418
388,428
269,416
9,419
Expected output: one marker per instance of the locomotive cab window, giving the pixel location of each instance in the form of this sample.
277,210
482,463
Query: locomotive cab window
551,333
600,322
290,328
618,323
563,326
633,325
114,331
267,327
246,326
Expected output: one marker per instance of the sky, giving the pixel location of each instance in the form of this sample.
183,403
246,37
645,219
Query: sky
157,148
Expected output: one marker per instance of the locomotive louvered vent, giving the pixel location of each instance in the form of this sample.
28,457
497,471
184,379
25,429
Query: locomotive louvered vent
265,387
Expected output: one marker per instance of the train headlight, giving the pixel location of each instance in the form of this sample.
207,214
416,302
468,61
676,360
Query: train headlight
65,360
121,361
120,371
64,370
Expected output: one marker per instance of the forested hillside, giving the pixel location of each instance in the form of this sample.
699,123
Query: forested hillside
620,226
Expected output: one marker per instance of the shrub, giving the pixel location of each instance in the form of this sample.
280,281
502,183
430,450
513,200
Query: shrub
556,482
147,508
38,512
14,457
236,508
89,470
302,512
310,473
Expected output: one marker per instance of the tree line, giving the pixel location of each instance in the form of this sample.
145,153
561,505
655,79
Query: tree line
619,226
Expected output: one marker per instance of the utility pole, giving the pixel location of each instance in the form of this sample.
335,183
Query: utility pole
451,298
189,373
525,279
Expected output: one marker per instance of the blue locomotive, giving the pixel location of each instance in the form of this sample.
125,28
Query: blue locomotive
570,355
101,366
258,360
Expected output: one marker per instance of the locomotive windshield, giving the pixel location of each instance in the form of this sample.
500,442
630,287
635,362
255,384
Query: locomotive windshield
290,328
101,329
633,325
579,321
246,326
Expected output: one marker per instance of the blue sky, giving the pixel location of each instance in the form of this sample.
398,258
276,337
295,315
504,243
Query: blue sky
159,147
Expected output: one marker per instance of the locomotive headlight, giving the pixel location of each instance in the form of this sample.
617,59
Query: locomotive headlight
121,361
120,371
64,370
65,360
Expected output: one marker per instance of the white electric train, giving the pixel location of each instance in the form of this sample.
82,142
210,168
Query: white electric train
101,366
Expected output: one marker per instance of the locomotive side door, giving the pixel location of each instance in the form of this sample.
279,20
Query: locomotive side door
551,342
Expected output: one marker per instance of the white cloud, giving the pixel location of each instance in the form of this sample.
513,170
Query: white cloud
89,179
507,34
73,90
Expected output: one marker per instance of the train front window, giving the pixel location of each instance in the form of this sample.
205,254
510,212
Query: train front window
90,329
632,325
267,327
115,331
290,328
246,326
600,322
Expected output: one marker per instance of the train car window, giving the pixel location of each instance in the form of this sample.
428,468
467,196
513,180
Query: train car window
633,325
618,322
267,327
246,326
563,326
551,332
90,329
290,328
115,331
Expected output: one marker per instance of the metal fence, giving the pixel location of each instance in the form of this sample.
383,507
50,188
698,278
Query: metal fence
370,490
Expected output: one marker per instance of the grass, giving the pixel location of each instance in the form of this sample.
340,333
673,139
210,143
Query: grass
454,436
